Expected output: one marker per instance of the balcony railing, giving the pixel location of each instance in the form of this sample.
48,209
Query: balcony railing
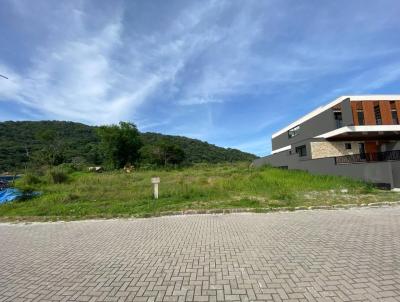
368,157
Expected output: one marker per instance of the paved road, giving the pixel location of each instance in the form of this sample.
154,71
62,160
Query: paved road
343,255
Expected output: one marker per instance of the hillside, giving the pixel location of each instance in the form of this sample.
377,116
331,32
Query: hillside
19,140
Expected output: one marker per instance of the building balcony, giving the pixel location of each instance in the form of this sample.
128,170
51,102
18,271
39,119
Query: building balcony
375,132
393,155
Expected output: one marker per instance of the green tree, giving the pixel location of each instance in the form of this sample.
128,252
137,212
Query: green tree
93,154
120,144
162,154
52,151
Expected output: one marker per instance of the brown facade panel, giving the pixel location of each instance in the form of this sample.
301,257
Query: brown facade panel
369,114
386,112
354,111
398,109
371,147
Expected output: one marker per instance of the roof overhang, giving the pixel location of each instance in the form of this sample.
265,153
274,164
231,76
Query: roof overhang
353,98
363,132
281,149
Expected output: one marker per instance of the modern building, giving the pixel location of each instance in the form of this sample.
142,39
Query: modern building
354,136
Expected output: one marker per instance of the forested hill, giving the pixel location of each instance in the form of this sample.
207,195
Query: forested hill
19,140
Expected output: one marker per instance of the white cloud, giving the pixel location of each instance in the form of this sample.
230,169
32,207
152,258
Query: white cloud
79,78
104,66
73,79
376,78
248,56
199,100
367,81
9,87
104,74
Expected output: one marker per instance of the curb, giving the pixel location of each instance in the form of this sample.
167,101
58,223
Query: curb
46,219
283,209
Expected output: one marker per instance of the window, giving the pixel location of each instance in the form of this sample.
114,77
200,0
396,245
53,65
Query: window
301,150
347,146
338,118
361,149
395,118
360,115
378,117
294,131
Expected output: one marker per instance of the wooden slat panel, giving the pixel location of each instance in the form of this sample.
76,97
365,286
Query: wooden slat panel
385,112
371,147
369,114
398,109
354,111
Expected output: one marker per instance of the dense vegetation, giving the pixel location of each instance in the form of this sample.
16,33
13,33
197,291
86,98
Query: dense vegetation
21,142
80,194
120,144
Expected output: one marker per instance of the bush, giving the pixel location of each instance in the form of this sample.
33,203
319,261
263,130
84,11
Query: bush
57,176
31,179
77,164
67,168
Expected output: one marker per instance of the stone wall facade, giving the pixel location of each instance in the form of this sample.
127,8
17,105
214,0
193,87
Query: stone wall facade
330,149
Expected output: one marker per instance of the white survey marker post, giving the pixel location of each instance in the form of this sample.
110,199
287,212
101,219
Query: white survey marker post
155,181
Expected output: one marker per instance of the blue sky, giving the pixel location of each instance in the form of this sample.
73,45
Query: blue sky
228,72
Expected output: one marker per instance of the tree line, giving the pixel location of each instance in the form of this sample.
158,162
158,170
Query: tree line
114,146
122,145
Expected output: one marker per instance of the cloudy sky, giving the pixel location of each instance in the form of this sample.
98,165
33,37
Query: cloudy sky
228,72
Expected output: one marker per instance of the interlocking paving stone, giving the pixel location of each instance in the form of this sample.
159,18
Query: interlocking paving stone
342,255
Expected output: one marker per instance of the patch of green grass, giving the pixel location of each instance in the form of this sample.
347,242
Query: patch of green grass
117,194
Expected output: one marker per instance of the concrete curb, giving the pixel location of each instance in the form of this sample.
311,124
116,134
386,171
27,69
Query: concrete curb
283,209
46,219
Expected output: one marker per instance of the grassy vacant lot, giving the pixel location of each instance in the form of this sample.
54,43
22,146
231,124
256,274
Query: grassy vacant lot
116,194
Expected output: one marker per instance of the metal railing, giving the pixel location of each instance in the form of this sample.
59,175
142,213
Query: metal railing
368,157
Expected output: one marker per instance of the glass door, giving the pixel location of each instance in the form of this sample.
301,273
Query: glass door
361,149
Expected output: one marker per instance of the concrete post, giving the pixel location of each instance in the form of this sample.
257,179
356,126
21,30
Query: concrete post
155,181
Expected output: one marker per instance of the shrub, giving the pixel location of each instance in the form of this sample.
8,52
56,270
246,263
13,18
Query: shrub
31,179
67,168
79,163
57,176
76,164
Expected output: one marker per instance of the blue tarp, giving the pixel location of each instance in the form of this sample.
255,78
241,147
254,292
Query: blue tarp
10,194
9,178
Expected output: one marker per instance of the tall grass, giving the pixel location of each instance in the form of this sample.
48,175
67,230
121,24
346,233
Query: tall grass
116,193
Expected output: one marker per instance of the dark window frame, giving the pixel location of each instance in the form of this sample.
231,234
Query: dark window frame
301,150
347,146
294,131
338,116
395,117
361,121
378,114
